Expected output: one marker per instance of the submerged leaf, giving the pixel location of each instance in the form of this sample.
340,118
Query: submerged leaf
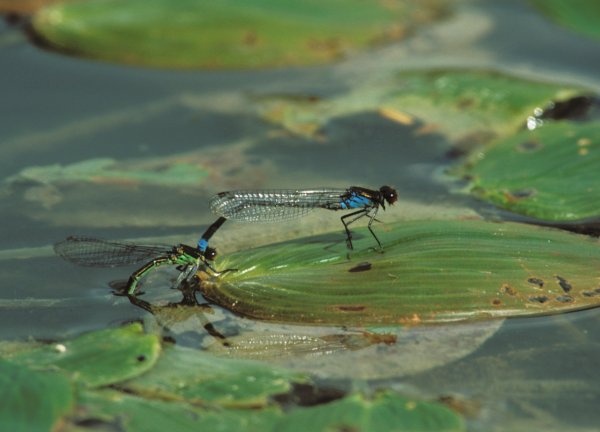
331,352
428,272
550,173
227,33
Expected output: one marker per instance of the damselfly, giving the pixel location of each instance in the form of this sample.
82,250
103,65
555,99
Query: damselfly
278,205
93,252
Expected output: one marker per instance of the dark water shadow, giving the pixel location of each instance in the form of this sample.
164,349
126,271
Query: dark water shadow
370,149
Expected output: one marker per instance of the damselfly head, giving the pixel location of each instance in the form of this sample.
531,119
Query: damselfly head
210,254
390,195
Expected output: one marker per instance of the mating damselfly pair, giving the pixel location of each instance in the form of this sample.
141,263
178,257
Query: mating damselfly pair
245,206
94,252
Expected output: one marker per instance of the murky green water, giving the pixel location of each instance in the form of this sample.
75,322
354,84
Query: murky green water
531,374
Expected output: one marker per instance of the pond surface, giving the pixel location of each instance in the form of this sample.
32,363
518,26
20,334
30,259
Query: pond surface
126,152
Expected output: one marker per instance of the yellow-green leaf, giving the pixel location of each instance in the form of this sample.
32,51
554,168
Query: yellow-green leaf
429,272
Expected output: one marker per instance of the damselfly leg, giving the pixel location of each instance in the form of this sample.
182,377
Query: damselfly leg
370,213
186,273
372,218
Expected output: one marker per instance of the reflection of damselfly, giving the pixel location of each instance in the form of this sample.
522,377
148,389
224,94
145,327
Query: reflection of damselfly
277,205
93,252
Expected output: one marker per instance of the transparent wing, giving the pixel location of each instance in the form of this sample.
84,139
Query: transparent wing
273,205
93,252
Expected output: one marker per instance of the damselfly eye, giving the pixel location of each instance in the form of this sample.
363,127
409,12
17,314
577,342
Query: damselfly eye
389,194
210,254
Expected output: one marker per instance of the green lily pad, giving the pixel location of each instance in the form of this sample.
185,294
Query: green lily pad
457,103
386,411
99,358
201,378
32,401
227,33
578,15
135,413
429,272
105,170
472,99
550,173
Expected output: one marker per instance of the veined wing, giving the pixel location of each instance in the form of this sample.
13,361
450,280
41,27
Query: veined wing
93,252
273,205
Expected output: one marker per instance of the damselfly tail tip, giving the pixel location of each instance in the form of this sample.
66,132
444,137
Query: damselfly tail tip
389,194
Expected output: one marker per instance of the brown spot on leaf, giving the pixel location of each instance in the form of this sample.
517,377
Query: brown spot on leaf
507,289
250,38
361,267
566,286
539,299
592,293
467,407
345,428
384,338
465,102
496,302
528,146
330,47
564,299
351,308
396,32
536,281
519,194
307,395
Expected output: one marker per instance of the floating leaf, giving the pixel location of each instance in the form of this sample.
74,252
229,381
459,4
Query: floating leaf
429,272
473,99
104,170
200,378
550,173
135,413
32,401
458,103
579,15
385,412
99,358
227,33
